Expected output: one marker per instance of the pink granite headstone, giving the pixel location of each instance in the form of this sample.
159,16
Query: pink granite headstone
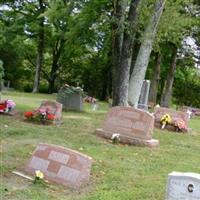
134,126
60,165
53,108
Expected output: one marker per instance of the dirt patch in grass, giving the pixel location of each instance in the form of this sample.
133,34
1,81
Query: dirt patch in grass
14,182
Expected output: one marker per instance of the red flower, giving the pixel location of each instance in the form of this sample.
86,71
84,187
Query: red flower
50,116
3,105
28,114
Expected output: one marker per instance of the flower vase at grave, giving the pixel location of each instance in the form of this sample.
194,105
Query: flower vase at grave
163,126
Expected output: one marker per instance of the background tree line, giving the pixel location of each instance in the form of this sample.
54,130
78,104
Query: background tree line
108,47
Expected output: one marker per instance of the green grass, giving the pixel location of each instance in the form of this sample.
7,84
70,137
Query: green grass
119,172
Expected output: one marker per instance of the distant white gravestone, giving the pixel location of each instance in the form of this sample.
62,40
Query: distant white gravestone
183,186
144,95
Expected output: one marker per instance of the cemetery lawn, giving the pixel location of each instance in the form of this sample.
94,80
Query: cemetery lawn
119,172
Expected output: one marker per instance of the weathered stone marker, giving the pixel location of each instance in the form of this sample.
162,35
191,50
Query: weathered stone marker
60,165
160,111
134,126
183,186
70,101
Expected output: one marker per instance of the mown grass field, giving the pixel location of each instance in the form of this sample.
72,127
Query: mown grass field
119,172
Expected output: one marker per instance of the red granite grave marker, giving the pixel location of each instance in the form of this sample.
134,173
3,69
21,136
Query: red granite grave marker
60,165
134,126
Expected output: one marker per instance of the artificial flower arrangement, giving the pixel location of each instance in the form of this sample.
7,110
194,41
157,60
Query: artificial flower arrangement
39,115
7,105
38,176
67,90
180,125
165,119
115,138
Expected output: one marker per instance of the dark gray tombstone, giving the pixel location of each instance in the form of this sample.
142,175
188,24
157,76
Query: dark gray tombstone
144,95
70,101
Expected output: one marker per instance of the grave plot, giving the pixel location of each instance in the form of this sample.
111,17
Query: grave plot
174,120
49,112
7,107
131,126
60,165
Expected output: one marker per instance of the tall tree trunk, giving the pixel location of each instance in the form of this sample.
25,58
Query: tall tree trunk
52,79
121,87
119,11
53,73
167,90
142,60
155,80
40,49
55,64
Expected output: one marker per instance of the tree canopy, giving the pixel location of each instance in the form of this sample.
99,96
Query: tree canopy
95,43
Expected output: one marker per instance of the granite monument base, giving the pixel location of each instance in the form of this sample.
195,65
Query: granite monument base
128,140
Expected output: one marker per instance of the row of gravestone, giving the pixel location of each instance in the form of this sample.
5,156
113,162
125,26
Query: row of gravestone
74,101
72,169
135,126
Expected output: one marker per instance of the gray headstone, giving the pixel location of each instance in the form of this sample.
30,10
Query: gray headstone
144,95
183,186
72,101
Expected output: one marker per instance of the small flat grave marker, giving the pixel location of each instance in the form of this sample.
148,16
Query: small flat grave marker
60,165
183,186
134,126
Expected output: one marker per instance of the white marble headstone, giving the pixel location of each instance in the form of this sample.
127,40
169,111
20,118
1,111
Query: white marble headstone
183,186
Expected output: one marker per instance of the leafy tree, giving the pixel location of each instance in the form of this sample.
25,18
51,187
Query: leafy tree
1,74
143,57
122,50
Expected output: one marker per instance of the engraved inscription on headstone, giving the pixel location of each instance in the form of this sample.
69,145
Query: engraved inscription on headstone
39,163
60,165
183,186
60,157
